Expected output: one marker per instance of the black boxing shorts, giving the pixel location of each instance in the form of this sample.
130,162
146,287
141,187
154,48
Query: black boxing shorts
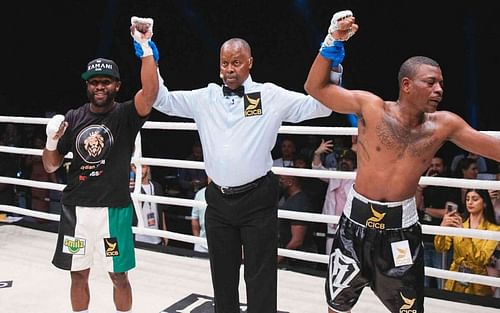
377,244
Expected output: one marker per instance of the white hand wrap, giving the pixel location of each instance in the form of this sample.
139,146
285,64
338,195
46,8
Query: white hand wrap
334,26
143,38
52,128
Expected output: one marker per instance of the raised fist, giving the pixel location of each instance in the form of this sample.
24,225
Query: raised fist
141,29
342,27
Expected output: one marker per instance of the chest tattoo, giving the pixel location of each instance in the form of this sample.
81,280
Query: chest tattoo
403,139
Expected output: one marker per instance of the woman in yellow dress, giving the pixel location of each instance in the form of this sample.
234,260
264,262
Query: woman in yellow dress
470,255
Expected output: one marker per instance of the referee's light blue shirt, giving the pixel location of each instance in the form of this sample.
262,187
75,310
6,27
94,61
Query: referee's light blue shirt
237,148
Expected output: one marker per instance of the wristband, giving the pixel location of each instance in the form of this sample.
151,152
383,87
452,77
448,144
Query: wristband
334,52
51,130
51,144
145,49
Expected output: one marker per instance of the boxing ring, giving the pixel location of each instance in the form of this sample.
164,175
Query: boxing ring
169,283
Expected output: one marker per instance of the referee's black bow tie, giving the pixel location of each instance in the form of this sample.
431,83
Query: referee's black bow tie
240,91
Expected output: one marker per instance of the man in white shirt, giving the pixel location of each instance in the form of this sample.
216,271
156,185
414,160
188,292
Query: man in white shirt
238,123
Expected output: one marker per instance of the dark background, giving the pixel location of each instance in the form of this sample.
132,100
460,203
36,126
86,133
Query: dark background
46,46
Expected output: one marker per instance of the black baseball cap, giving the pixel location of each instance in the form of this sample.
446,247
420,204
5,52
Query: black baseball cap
101,66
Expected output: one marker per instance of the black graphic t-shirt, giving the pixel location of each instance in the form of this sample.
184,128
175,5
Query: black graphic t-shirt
102,147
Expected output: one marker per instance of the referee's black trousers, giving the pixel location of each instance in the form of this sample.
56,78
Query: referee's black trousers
248,220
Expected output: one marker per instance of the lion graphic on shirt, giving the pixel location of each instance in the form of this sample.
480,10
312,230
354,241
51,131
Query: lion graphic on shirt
94,143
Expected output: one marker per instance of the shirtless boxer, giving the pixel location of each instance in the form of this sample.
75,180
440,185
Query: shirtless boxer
379,240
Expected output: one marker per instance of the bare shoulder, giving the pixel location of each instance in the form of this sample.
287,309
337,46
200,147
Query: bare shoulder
390,105
447,125
367,96
369,99
445,114
446,117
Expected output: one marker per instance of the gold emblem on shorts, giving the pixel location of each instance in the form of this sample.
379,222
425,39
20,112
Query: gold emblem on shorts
375,220
111,247
408,305
401,253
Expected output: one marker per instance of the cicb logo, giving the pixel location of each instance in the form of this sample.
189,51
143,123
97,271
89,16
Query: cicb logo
407,307
253,104
111,247
375,220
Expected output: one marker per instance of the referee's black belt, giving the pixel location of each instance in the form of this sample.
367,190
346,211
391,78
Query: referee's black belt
240,189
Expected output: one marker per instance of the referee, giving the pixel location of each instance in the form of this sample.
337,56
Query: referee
238,123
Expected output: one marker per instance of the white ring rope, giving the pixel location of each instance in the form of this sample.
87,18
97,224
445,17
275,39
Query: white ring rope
300,130
310,217
31,183
28,212
435,181
137,196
